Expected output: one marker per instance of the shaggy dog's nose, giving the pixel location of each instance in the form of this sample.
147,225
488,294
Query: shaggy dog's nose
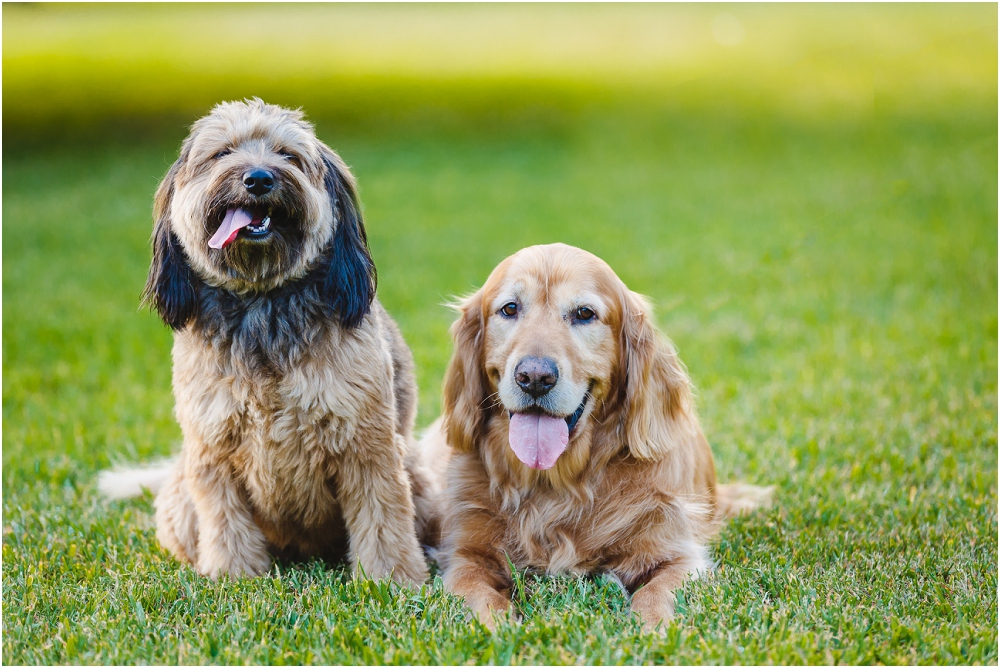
258,181
536,375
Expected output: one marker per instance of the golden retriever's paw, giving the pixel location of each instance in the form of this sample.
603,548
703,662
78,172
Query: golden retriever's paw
656,627
498,612
509,618
655,610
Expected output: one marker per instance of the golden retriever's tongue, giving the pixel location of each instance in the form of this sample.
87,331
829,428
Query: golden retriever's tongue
538,440
236,219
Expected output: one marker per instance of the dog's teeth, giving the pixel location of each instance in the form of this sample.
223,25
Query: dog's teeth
264,226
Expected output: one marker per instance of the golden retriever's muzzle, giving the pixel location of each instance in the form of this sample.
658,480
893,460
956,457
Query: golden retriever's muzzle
253,223
537,434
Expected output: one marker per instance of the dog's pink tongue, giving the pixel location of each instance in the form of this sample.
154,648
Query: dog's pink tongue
538,440
235,220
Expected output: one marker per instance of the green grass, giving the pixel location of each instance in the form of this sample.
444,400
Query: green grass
820,242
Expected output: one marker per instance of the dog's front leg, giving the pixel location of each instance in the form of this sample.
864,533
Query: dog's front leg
476,567
480,574
654,602
229,541
374,495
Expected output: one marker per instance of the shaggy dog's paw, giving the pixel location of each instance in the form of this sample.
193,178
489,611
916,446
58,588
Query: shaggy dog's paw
237,566
406,568
411,575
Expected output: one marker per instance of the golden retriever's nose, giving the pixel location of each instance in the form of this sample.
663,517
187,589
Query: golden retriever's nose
536,375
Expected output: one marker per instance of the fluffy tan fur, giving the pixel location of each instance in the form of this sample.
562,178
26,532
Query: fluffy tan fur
634,493
299,465
297,427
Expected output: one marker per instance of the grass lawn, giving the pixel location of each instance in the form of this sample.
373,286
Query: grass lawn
827,270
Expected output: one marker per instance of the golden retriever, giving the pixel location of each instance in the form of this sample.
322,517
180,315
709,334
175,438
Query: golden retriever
573,440
294,388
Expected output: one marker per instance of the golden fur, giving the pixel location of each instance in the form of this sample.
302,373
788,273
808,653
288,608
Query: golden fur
633,494
294,388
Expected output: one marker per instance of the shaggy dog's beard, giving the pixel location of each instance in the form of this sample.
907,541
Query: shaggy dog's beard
266,260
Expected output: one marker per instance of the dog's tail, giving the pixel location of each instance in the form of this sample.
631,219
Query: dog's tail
128,482
739,498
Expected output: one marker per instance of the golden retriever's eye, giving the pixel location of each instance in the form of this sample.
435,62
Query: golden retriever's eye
222,154
509,310
584,314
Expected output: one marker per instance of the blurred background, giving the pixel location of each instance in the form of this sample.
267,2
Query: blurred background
808,193
145,69
85,71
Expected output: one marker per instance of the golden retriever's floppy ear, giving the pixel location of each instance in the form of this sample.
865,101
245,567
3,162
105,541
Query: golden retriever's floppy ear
466,386
654,390
171,286
350,282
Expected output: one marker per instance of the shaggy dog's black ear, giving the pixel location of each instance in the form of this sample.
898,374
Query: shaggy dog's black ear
171,287
350,281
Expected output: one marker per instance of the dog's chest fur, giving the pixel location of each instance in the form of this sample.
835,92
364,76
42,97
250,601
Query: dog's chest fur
274,388
577,531
622,519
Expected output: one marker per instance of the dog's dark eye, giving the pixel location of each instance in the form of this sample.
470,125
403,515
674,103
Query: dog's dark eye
584,314
222,154
292,158
509,309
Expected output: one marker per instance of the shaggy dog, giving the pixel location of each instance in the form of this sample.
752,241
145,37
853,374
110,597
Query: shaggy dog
294,389
574,444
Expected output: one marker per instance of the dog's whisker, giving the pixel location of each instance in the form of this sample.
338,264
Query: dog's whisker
491,396
593,413
496,404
